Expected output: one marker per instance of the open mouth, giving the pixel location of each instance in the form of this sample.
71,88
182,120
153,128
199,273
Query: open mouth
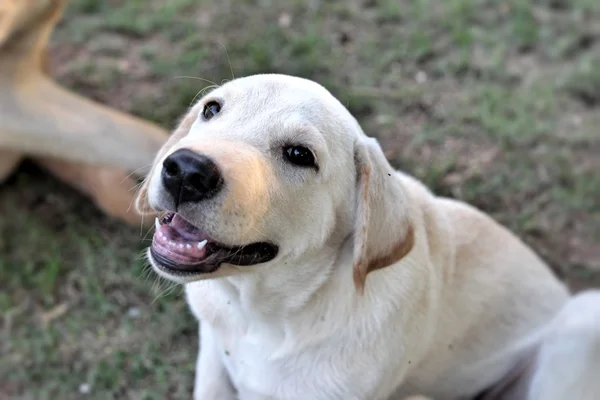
178,246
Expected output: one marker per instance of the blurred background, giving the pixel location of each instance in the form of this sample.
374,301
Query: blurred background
495,102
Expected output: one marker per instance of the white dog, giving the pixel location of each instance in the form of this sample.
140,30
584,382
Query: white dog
319,272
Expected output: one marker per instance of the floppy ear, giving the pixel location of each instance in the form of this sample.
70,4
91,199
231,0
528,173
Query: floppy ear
383,233
141,198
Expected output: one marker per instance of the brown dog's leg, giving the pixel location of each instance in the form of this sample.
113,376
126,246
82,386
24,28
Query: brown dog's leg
112,190
39,118
8,162
42,118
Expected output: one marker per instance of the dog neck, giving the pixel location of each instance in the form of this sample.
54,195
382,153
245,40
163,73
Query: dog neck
273,292
286,310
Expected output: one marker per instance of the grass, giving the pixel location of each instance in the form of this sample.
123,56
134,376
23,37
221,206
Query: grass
495,103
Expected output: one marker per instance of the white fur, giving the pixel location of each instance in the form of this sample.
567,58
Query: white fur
568,365
448,319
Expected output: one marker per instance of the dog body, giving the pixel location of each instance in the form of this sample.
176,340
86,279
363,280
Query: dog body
318,339
318,272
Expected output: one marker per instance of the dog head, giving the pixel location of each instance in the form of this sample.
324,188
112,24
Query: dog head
269,168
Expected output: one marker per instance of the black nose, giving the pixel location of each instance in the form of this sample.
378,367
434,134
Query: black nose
189,176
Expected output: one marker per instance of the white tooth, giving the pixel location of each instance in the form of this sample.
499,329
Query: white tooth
171,243
156,223
189,246
180,246
202,244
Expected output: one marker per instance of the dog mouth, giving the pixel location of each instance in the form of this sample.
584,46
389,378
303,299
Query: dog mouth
180,247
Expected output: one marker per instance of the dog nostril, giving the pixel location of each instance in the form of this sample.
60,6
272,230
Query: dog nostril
170,167
207,180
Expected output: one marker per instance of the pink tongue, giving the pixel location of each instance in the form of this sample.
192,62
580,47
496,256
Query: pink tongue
180,227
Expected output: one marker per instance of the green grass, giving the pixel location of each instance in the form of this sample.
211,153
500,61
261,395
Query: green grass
495,103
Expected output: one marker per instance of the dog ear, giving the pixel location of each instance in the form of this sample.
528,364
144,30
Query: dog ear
383,233
141,199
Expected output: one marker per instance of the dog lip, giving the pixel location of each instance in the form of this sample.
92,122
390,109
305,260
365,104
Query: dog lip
252,254
173,267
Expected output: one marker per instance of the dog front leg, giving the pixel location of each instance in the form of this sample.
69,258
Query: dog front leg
212,380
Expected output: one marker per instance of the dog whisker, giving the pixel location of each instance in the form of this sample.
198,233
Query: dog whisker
201,93
214,84
228,60
136,171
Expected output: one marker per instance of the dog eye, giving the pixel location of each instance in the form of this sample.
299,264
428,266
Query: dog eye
299,155
211,109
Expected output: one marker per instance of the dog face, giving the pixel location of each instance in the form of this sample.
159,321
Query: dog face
263,169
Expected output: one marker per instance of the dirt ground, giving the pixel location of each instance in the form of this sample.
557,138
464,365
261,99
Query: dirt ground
493,102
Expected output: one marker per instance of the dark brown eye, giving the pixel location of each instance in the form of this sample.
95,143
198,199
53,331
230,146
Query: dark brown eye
300,156
211,109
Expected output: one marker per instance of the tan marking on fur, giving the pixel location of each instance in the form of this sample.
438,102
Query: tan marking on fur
248,178
368,264
361,265
400,249
366,176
